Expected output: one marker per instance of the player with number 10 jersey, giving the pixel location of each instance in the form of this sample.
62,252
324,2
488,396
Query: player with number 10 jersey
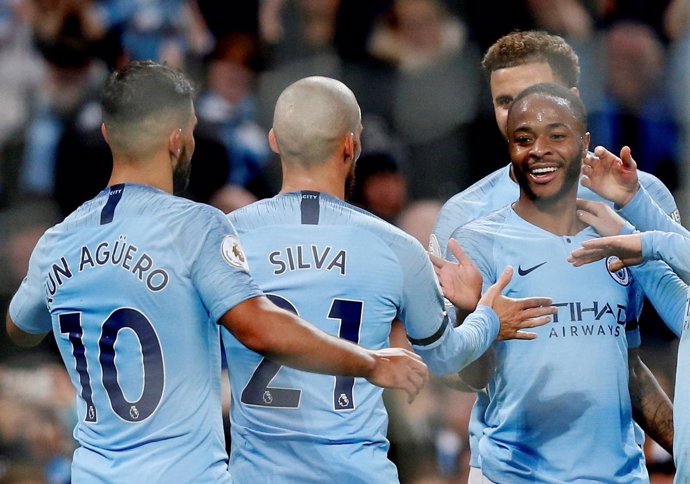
142,350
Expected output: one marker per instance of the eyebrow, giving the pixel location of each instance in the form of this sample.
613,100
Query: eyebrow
503,99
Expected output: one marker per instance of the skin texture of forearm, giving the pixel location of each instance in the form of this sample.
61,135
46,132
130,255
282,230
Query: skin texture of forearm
288,340
652,408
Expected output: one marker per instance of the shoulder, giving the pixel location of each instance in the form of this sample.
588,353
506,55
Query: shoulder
477,191
489,223
376,226
405,247
490,193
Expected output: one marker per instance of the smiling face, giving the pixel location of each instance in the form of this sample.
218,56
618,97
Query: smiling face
547,143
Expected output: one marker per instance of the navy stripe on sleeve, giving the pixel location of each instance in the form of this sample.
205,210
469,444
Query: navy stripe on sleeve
433,338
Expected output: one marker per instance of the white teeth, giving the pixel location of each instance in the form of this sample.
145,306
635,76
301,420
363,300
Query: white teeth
540,171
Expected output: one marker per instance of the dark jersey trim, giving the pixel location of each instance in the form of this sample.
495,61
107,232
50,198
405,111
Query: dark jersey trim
310,207
114,197
433,338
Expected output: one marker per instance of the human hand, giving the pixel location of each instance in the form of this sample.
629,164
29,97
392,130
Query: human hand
401,369
627,248
612,177
461,282
600,217
516,314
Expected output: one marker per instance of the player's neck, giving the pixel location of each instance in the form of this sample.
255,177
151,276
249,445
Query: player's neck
322,181
150,173
556,216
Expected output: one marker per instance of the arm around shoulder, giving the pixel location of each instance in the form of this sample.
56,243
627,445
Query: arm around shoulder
289,340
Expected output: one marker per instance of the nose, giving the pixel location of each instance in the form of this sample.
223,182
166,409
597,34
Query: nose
540,147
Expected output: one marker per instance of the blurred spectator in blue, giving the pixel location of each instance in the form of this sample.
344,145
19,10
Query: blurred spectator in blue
436,93
170,31
21,66
21,71
677,26
60,152
226,112
635,109
651,13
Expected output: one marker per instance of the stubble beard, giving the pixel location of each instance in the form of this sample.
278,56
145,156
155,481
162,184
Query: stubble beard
572,178
182,173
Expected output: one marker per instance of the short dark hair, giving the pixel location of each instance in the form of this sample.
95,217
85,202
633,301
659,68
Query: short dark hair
142,89
522,47
557,91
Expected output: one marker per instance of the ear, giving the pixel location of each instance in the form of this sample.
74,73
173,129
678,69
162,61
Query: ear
104,132
349,147
175,142
576,91
273,142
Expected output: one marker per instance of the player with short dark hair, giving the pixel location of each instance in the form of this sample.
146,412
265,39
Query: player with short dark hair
559,409
513,63
135,284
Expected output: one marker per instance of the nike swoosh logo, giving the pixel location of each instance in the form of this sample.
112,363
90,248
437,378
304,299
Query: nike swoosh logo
524,272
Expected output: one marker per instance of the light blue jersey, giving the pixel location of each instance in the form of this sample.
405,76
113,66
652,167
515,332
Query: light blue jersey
498,189
351,274
493,192
666,240
132,285
559,408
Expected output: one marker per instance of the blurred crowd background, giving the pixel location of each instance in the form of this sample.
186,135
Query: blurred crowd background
414,66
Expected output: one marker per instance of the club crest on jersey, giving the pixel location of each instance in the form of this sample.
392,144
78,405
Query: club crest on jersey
621,276
233,253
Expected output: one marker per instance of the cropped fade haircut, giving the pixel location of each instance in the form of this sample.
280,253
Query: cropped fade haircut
143,89
523,47
556,91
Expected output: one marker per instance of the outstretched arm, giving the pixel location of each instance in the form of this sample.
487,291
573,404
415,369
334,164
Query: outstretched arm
627,248
652,408
611,177
461,283
286,339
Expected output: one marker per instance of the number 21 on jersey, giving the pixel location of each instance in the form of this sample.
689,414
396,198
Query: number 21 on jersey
258,391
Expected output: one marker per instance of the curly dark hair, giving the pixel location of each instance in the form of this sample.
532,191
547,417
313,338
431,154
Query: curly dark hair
523,47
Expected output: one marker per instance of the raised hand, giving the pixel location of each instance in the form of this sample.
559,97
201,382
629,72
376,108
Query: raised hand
461,282
611,177
627,248
516,315
400,369
600,216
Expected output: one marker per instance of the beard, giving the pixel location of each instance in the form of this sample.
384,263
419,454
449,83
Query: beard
350,183
572,177
182,173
